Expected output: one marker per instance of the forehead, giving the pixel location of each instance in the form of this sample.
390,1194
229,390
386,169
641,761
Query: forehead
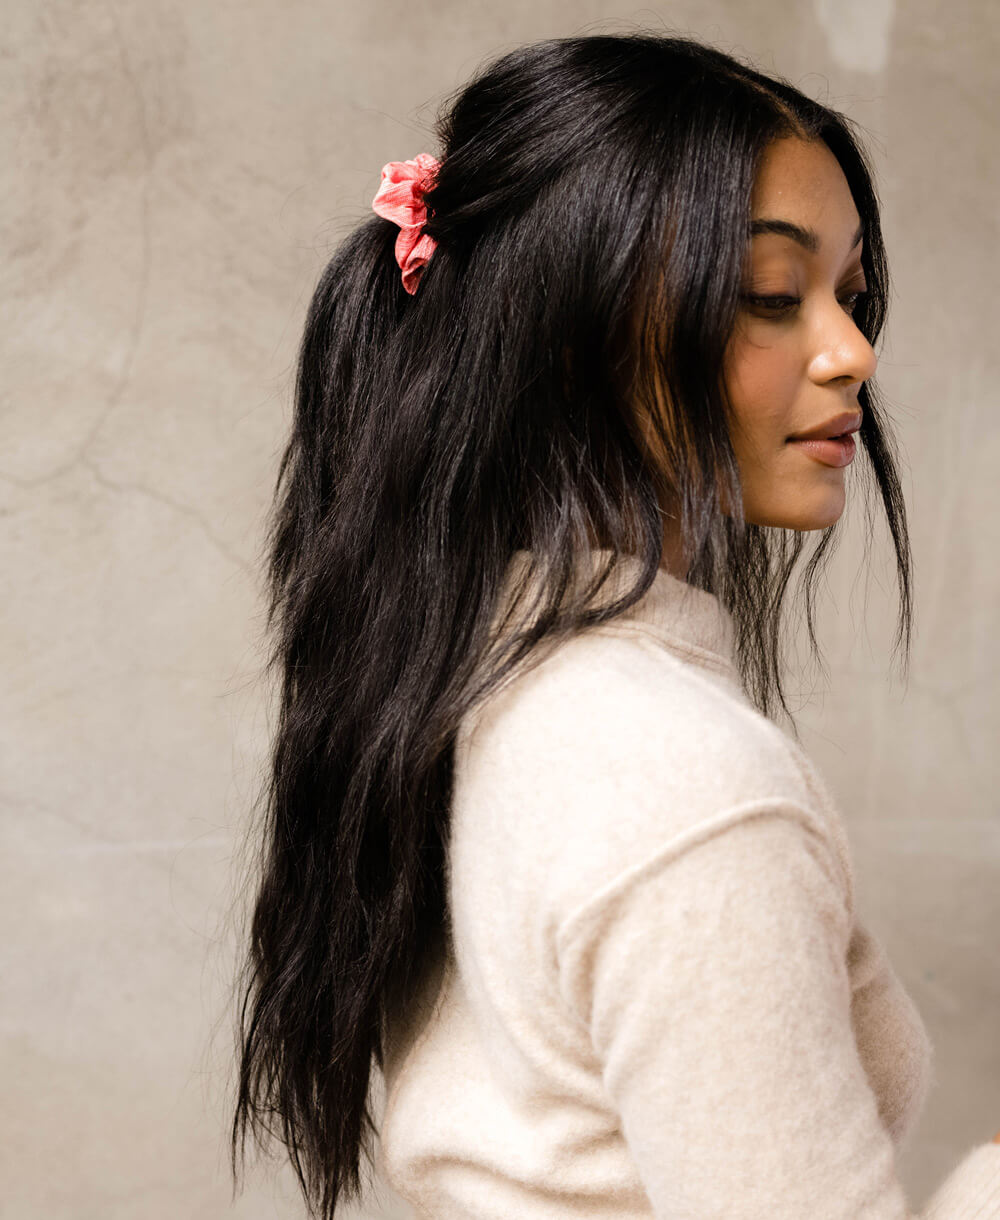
801,181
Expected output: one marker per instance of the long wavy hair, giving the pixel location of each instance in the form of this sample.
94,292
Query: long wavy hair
591,215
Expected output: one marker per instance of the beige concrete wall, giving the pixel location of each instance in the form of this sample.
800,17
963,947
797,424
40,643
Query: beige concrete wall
174,177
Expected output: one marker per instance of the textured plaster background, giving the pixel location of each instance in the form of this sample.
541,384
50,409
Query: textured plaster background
174,177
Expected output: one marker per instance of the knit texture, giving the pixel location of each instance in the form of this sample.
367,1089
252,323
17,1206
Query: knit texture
655,997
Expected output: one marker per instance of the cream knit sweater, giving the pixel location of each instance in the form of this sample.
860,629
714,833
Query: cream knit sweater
656,998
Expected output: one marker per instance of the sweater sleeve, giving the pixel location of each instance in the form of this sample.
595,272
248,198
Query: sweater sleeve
713,981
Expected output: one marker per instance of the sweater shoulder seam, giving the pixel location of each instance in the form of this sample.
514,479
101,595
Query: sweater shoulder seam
690,837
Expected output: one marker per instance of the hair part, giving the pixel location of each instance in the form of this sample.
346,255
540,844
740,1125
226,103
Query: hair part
591,215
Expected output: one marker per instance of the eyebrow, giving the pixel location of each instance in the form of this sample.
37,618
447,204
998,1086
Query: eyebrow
808,238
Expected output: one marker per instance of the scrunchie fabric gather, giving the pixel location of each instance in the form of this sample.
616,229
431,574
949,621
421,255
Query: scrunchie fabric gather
400,198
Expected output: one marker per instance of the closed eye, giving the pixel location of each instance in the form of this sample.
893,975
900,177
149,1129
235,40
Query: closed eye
779,306
771,304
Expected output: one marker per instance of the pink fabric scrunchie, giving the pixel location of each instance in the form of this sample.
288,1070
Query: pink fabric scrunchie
400,199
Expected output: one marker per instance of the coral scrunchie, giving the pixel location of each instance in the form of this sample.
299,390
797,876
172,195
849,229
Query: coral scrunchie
400,198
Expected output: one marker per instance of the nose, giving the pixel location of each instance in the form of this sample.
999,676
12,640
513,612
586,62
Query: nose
842,352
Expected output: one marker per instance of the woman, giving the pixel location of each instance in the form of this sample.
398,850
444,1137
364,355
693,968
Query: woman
567,408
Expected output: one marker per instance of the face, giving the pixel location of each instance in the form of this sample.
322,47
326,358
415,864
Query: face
796,358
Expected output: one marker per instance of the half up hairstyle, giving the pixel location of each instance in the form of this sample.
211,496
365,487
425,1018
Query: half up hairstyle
591,214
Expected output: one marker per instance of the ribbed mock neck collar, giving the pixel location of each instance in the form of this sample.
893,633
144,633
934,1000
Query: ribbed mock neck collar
687,620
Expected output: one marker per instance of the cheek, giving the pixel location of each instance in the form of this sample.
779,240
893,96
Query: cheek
761,381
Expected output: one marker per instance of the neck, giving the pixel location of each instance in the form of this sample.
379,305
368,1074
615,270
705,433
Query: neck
673,559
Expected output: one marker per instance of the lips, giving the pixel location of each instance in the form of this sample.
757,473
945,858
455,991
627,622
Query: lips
830,450
834,429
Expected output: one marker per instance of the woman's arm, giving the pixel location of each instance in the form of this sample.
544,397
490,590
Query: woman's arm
714,984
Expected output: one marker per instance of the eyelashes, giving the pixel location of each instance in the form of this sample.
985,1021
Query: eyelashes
779,307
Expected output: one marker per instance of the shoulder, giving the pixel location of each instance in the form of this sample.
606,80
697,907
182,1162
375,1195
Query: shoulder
612,747
610,713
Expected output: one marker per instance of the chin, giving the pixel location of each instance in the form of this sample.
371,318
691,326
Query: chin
818,516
